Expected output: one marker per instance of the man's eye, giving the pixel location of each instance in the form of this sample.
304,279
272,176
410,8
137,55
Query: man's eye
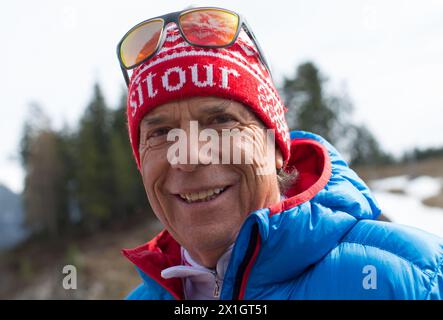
159,132
223,118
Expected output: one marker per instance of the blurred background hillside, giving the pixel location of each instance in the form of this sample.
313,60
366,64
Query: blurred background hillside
70,192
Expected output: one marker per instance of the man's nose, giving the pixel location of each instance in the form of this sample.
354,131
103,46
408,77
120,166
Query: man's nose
192,146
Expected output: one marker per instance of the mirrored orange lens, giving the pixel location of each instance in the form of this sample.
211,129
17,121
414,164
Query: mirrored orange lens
141,42
209,27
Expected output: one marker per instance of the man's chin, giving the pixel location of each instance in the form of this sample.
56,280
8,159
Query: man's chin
207,240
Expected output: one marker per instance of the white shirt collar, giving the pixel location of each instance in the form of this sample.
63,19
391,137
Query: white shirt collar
199,282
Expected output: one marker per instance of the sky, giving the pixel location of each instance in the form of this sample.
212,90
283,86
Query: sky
387,55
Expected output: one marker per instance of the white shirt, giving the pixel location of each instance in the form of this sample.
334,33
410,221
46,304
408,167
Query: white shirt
199,283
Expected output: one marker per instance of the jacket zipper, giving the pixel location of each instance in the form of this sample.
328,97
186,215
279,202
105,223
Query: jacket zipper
216,293
242,267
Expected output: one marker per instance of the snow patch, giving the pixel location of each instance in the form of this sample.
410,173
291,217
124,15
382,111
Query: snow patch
408,208
421,187
412,212
424,187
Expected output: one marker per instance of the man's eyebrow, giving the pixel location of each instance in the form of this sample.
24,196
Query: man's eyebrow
224,107
153,120
216,108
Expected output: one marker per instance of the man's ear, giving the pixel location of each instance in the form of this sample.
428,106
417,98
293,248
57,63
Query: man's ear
278,158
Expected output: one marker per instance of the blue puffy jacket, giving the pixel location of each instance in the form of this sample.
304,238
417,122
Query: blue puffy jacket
321,242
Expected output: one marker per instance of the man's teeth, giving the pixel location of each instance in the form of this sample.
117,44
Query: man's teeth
202,195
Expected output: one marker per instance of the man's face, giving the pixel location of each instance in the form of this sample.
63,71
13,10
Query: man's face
204,205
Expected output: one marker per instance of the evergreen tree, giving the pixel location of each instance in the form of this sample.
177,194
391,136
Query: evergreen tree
87,176
67,152
95,189
329,115
365,149
305,98
129,186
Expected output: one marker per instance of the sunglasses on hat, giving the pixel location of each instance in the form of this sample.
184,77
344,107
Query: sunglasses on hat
206,27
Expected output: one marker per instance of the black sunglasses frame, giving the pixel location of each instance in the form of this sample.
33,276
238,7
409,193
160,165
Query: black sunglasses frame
174,17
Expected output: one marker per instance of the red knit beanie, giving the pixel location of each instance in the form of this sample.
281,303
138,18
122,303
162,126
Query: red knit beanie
180,71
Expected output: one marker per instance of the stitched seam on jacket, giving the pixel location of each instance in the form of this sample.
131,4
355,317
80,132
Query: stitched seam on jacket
440,265
395,254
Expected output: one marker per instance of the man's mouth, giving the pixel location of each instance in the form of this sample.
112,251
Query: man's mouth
202,196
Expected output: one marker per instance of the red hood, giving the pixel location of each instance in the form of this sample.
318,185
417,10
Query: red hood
312,162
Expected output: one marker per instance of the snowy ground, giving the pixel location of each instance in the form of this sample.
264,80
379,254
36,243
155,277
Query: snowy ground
407,207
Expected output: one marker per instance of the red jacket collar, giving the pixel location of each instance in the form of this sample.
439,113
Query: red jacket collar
314,168
158,254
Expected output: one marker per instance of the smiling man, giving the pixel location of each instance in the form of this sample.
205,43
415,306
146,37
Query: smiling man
290,221
202,206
